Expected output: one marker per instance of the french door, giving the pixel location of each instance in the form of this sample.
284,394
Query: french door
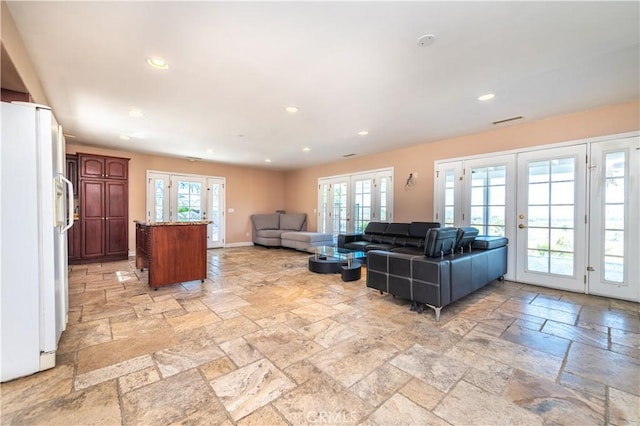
614,255
551,217
187,198
572,219
348,203
215,212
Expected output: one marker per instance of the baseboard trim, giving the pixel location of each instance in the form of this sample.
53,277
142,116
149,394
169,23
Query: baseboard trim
240,244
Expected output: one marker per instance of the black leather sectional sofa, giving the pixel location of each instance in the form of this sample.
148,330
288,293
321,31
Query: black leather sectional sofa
394,237
453,263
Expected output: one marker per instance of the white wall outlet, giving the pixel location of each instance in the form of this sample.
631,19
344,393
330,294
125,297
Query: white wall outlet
231,210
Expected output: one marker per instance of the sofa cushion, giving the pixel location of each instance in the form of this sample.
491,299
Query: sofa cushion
485,242
376,228
266,221
440,241
465,237
269,233
293,221
419,229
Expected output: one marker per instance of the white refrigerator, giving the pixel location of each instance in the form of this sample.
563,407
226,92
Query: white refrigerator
36,210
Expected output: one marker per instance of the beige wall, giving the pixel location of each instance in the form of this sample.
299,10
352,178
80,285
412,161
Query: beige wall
248,190
417,204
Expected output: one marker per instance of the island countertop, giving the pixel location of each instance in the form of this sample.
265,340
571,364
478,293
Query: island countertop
195,222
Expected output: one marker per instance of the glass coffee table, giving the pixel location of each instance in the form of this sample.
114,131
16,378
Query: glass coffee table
333,260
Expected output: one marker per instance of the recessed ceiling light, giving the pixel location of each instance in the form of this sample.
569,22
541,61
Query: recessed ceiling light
158,63
125,137
135,113
209,151
306,149
267,160
292,109
486,97
363,133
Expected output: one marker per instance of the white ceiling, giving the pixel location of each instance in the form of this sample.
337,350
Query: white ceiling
348,66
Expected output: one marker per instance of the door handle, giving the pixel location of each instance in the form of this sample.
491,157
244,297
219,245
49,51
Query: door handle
522,226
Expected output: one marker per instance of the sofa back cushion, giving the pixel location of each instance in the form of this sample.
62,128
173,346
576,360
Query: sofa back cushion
418,232
396,233
375,231
266,221
293,221
465,237
440,241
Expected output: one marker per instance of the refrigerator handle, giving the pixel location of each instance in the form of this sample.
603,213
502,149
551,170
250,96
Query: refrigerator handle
70,204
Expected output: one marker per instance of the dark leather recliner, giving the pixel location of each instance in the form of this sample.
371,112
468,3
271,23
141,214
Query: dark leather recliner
455,263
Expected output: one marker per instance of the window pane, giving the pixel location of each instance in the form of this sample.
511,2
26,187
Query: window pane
539,172
614,269
561,263
614,243
614,216
562,216
497,175
496,215
477,196
538,239
562,240
539,193
478,177
562,169
538,260
497,195
562,193
538,216
614,190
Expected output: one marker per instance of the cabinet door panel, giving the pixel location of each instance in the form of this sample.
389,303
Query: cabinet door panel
93,242
93,216
91,166
116,199
116,168
116,213
116,236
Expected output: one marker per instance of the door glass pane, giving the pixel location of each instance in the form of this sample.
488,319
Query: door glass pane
449,197
339,208
488,206
189,196
384,215
550,224
614,208
159,199
214,215
362,205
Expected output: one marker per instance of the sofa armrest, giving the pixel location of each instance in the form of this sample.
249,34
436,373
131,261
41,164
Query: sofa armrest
348,238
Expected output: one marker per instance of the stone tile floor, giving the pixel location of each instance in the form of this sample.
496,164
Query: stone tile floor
265,342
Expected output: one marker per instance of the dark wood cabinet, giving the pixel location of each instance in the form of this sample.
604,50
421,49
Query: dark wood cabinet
104,208
173,252
96,166
74,234
72,172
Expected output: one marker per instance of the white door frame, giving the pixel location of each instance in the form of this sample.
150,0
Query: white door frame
628,287
169,201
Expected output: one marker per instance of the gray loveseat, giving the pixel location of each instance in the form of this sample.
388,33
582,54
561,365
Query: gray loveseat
267,229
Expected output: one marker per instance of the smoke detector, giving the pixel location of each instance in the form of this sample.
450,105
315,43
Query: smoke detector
426,40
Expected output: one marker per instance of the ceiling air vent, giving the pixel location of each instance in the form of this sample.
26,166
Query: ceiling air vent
506,120
348,155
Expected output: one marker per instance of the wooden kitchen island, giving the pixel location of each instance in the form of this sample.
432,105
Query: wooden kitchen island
173,252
